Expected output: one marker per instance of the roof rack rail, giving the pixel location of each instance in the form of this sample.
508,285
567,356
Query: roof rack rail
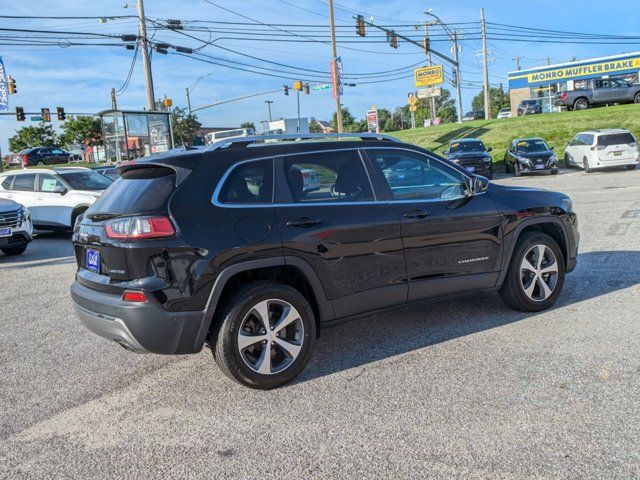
246,141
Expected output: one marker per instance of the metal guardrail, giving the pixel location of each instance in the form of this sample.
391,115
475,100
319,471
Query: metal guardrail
224,143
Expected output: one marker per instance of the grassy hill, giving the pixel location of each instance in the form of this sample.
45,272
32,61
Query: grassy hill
556,128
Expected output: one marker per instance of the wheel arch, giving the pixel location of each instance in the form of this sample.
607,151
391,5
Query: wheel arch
549,225
292,271
77,210
581,97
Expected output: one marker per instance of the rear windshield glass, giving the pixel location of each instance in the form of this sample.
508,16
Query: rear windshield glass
86,180
457,147
616,139
142,190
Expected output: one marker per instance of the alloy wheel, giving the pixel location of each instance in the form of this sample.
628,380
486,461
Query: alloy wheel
539,273
270,336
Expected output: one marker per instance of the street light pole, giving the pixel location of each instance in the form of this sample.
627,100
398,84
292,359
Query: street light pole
188,100
458,87
334,52
190,88
485,65
146,62
269,102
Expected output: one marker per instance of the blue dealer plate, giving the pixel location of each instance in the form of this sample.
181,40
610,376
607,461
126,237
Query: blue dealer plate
6,232
93,260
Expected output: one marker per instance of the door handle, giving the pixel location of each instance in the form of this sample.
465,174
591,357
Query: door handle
303,222
417,214
9,196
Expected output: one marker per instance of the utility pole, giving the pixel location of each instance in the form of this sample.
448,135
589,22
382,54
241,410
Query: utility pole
146,63
485,64
114,103
458,88
269,102
517,60
334,52
433,99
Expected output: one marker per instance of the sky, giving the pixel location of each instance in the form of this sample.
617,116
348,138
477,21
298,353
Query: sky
80,78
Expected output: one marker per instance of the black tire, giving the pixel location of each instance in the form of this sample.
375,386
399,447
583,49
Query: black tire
581,104
636,99
554,171
631,167
14,250
506,167
75,215
567,162
516,169
512,291
224,336
39,163
587,168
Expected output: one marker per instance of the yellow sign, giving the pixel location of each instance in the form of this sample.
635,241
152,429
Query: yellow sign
413,108
560,74
427,76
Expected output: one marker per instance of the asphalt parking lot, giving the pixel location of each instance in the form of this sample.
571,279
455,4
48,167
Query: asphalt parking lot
458,388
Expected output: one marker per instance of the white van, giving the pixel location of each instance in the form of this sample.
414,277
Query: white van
601,149
213,137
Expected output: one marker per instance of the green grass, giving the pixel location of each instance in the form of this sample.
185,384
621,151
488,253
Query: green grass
556,128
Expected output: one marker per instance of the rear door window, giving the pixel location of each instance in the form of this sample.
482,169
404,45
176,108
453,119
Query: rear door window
137,191
25,183
49,183
248,183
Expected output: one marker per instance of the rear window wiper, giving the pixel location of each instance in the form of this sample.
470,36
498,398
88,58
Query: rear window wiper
97,217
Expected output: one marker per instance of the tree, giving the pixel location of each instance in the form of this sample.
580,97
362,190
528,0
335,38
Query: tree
314,127
499,100
349,122
42,135
184,125
248,125
445,109
82,130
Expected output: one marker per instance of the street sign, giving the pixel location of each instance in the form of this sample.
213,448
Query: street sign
36,119
411,99
4,88
429,92
372,120
428,76
321,86
413,108
336,76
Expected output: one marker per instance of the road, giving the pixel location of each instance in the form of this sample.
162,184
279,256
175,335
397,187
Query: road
458,388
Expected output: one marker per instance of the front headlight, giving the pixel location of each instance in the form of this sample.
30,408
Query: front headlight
566,201
554,158
524,160
455,160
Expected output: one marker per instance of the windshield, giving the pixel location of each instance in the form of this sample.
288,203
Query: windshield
86,180
530,146
461,147
616,139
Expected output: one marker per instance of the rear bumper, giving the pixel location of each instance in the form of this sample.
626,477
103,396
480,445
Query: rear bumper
621,162
141,327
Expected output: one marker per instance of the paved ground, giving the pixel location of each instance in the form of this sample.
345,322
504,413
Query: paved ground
460,388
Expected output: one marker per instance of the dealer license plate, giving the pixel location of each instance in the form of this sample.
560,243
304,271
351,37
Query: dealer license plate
93,260
6,232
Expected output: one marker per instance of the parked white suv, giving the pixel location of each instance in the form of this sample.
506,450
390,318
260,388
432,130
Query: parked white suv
54,197
16,229
601,149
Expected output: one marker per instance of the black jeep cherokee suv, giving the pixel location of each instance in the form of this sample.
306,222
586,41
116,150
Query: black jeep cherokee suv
231,247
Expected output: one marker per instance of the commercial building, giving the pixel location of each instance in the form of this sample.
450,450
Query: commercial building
544,82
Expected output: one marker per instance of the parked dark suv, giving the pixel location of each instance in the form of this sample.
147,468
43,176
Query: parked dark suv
225,246
41,156
472,155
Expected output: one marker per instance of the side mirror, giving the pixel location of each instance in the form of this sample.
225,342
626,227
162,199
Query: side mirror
490,149
61,190
476,184
446,152
552,147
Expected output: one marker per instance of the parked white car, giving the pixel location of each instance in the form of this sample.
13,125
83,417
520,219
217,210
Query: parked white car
56,197
601,149
504,113
16,229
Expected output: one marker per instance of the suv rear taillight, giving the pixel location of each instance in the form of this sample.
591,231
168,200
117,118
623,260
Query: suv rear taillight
134,228
25,160
563,96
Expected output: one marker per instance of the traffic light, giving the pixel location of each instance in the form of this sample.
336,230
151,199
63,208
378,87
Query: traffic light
20,114
61,115
46,114
286,89
12,86
360,26
426,44
394,40
306,88
297,85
